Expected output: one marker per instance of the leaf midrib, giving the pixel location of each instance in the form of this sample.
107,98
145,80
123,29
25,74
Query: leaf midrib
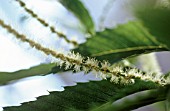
128,50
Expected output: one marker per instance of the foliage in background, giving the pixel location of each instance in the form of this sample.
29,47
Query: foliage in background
100,54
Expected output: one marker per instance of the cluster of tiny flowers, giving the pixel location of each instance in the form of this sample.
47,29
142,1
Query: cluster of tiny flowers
105,64
116,74
157,78
78,63
114,79
92,61
77,57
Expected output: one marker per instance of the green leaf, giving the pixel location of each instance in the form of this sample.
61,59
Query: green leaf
135,101
84,96
78,9
42,69
157,22
121,42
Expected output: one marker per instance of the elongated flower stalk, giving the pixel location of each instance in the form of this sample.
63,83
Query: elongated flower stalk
102,69
44,23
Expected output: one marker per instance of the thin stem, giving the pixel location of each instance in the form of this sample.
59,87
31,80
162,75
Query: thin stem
117,74
44,23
